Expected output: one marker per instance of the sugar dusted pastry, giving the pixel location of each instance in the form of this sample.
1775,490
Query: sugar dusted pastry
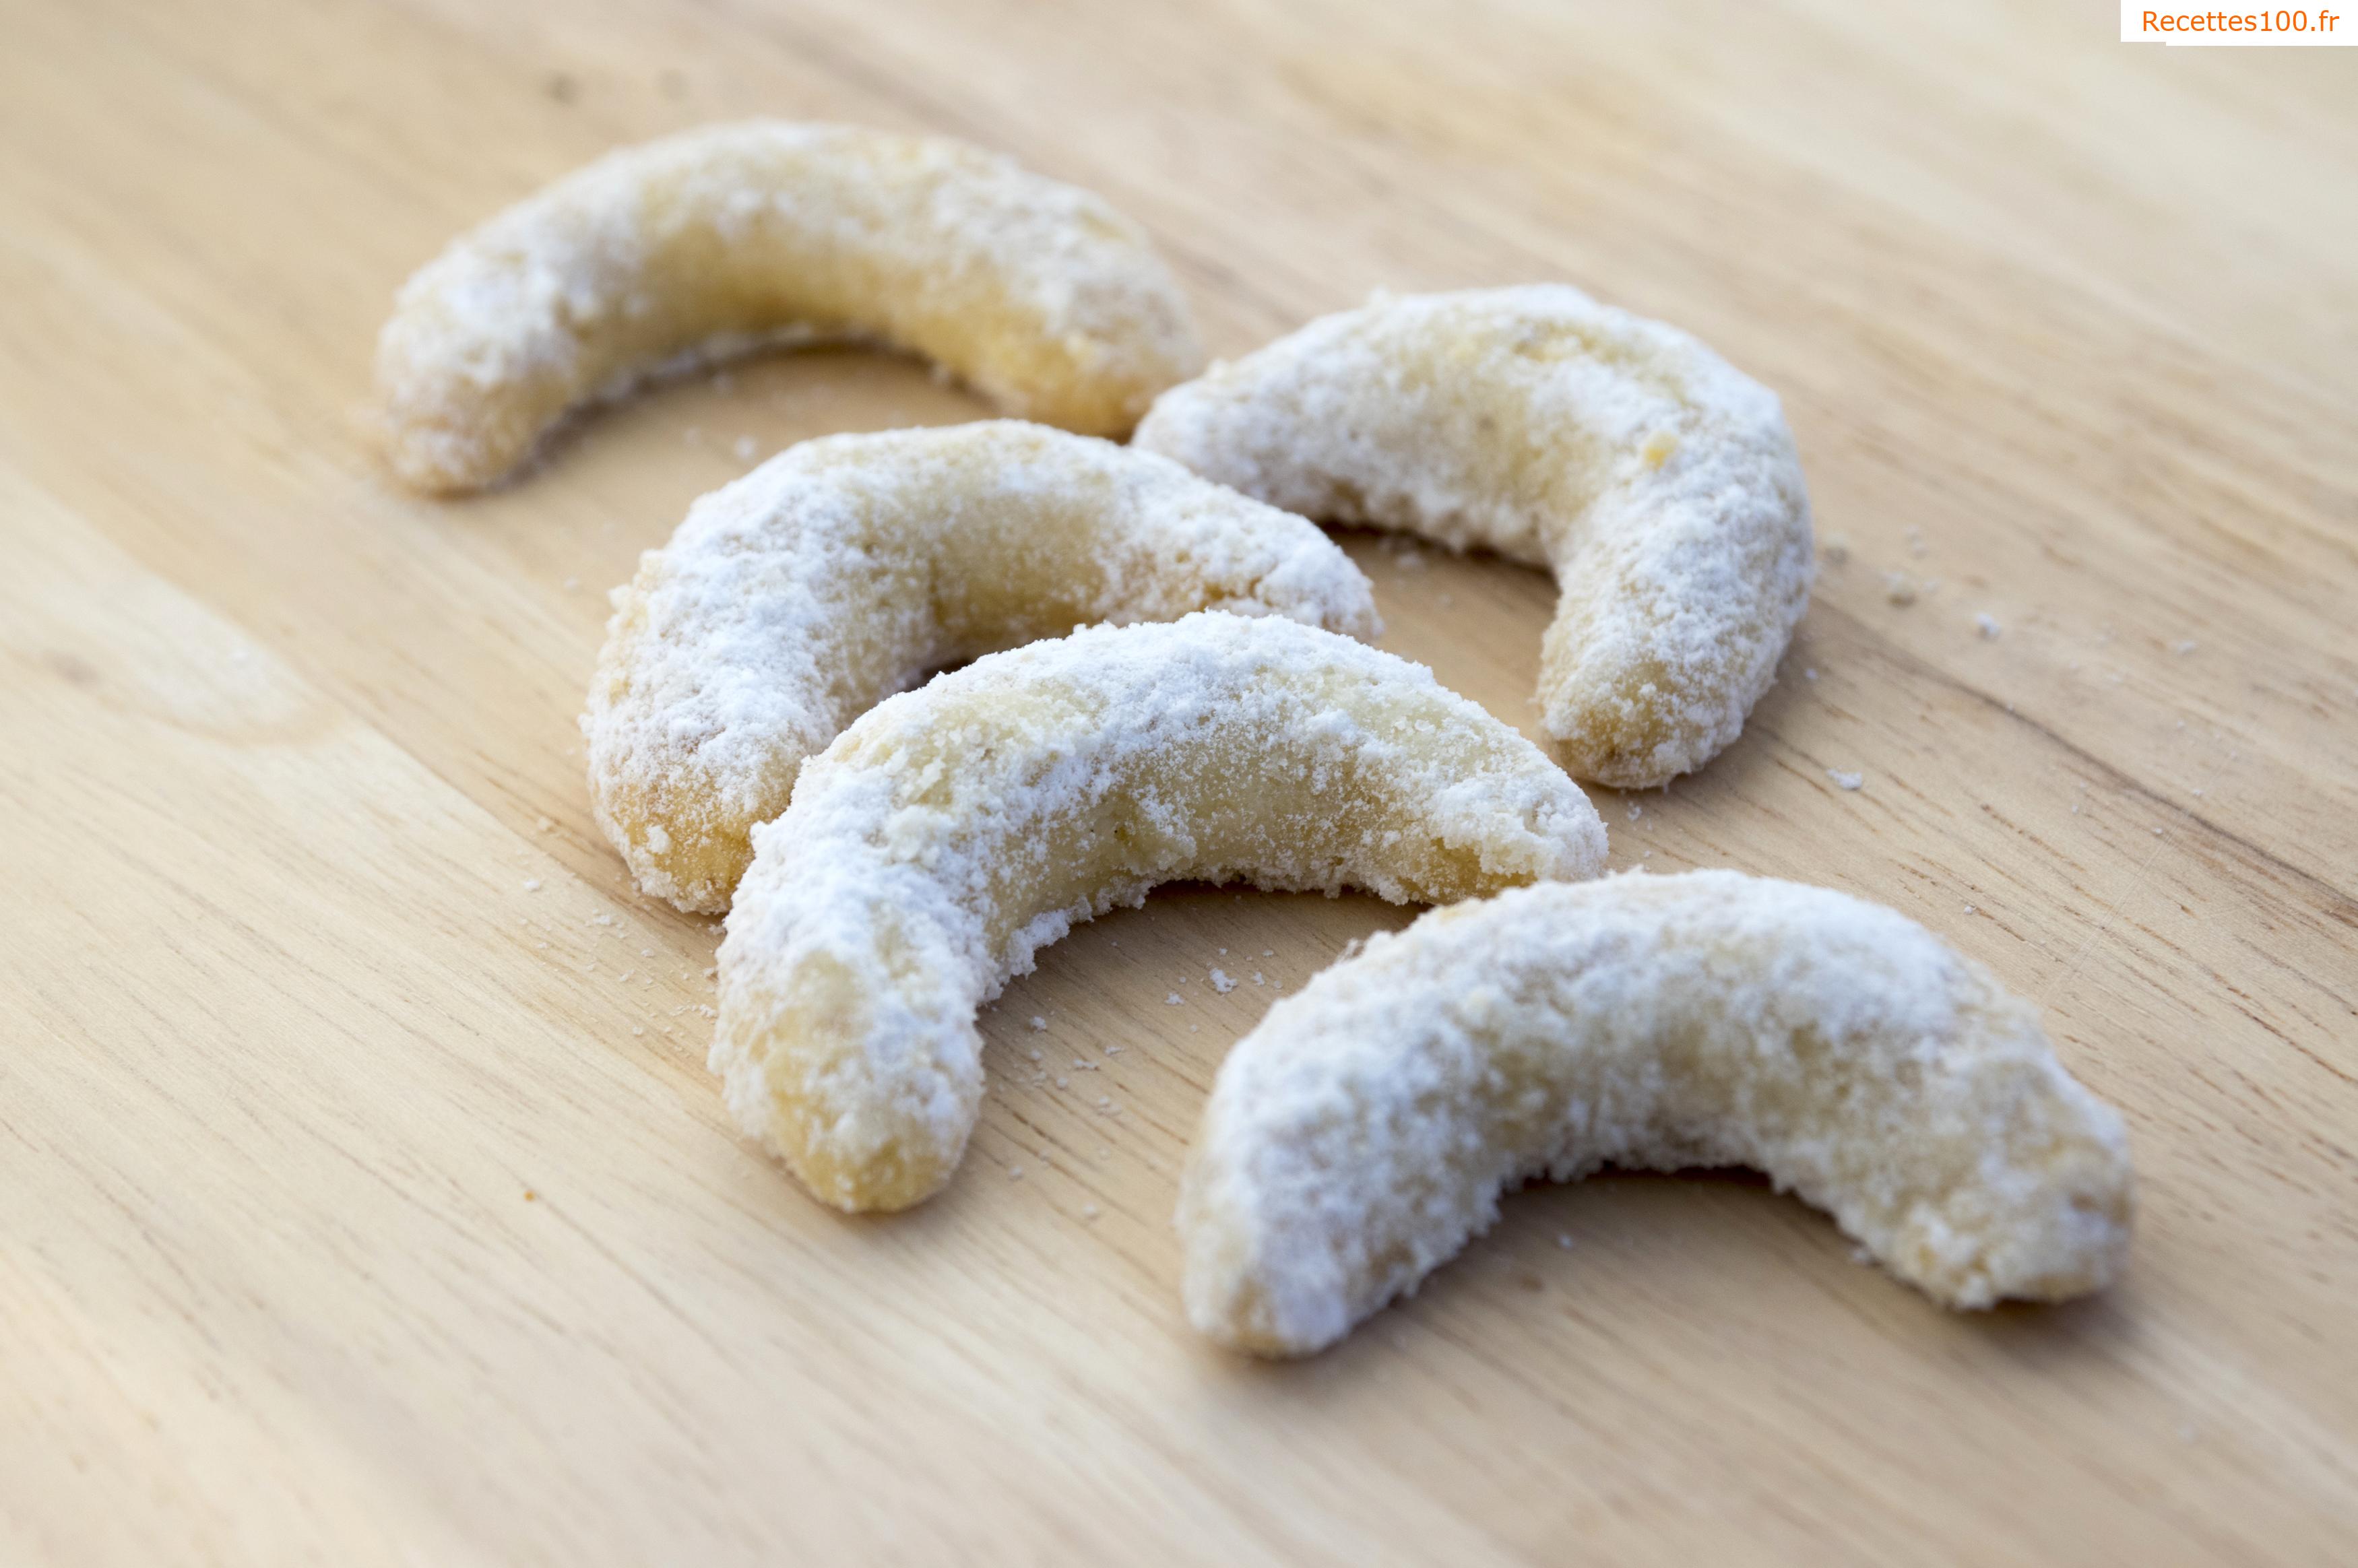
1660,484
955,830
1363,1131
845,569
1038,294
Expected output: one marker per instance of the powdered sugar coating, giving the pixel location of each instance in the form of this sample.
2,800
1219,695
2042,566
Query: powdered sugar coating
846,568
1362,1132
658,256
1660,485
955,830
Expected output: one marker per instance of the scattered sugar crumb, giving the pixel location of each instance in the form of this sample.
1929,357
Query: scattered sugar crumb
1986,624
1970,910
1258,980
1269,952
1063,1083
1221,983
638,1029
1038,1022
1636,811
744,446
1846,780
544,826
2183,645
1563,1240
573,585
1171,1001
1899,588
1034,1054
531,884
1810,674
1015,1173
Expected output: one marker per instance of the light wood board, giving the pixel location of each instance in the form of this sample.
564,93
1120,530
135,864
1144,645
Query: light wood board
363,1194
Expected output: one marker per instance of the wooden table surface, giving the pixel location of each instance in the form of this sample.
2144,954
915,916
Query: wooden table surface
363,1194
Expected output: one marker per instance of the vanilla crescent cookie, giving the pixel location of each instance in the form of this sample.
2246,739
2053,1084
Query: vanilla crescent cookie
1362,1132
661,256
1659,483
955,830
845,569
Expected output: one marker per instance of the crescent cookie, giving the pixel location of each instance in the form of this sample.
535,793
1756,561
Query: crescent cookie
955,830
844,569
1660,484
1362,1132
1039,294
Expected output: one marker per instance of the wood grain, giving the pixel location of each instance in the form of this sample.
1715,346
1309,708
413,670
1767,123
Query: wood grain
363,1195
